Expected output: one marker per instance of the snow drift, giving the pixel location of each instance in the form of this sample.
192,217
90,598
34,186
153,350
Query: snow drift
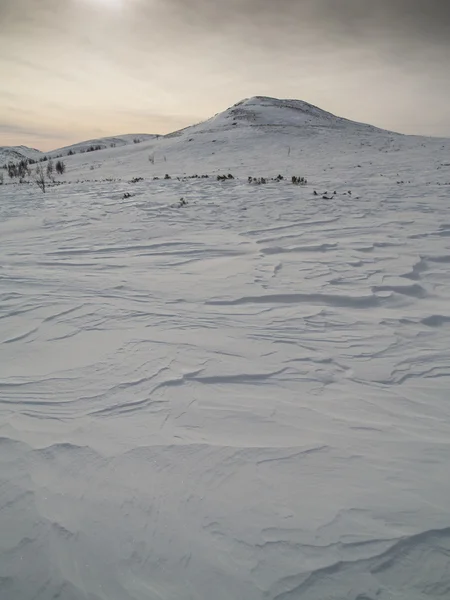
240,397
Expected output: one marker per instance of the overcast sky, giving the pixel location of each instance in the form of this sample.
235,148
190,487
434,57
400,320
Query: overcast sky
77,69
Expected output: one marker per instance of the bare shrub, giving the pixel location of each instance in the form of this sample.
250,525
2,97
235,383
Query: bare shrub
40,178
12,170
50,168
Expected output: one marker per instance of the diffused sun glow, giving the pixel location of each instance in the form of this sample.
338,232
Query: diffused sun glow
110,3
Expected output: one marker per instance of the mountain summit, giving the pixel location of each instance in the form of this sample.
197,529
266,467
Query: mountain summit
273,111
269,114
263,111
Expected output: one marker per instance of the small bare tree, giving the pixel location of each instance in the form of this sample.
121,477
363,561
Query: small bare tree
50,169
40,177
12,170
151,159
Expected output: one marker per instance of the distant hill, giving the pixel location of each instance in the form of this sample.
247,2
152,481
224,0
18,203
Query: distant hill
16,153
102,144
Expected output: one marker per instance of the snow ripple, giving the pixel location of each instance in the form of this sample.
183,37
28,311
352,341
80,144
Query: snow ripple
216,403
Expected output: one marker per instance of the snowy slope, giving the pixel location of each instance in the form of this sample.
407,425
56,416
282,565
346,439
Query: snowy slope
262,111
17,153
245,398
105,142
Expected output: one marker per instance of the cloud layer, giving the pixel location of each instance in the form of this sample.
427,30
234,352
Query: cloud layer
80,68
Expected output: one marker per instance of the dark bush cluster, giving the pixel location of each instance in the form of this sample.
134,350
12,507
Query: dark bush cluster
88,149
45,158
21,169
60,167
186,177
225,177
18,170
299,180
263,180
137,179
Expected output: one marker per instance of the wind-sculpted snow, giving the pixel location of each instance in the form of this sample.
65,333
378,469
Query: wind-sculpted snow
243,398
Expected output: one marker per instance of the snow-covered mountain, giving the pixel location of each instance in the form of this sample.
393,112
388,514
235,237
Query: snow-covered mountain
257,136
266,112
260,113
229,390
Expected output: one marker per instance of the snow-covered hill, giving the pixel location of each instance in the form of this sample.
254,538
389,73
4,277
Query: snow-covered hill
262,111
102,143
254,134
252,116
261,137
18,153
244,395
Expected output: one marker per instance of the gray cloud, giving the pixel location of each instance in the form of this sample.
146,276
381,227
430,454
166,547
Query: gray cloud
350,21
427,16
31,132
37,67
156,63
418,20
392,27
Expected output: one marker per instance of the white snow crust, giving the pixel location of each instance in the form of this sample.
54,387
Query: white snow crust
244,398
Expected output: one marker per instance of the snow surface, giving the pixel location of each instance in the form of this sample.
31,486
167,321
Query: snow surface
246,398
